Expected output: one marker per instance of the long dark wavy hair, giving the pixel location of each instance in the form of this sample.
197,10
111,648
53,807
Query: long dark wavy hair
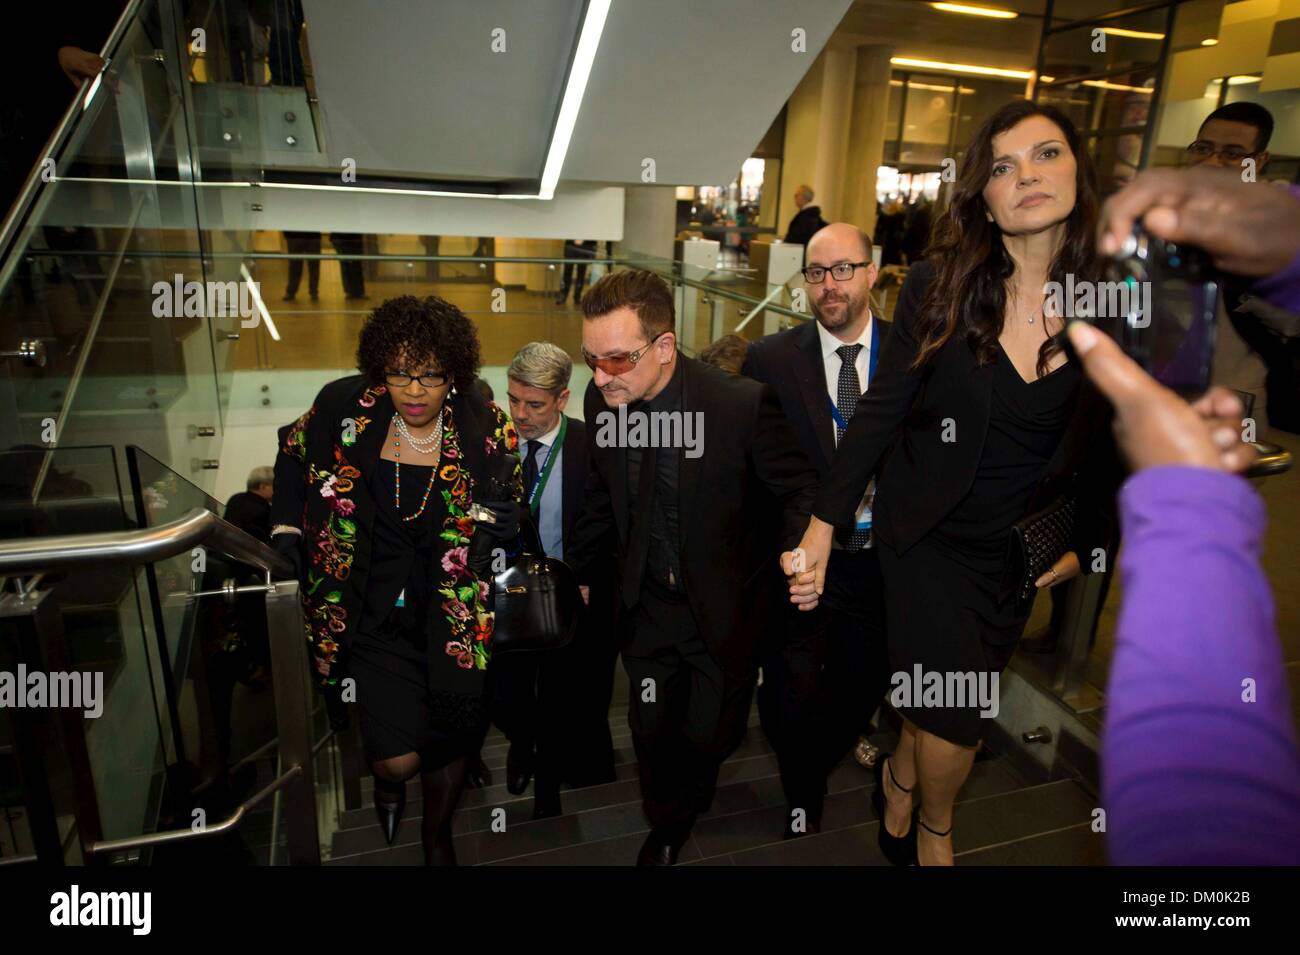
972,270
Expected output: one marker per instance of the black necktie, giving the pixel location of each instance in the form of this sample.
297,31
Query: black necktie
530,465
848,392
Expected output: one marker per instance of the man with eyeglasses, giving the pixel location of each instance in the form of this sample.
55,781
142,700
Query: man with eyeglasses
1252,355
819,693
695,535
1232,134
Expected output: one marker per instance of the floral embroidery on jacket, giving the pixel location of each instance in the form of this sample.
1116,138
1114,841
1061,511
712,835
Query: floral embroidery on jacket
465,603
331,535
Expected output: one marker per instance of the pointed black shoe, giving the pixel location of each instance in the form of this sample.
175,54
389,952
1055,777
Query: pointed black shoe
388,811
656,850
899,850
546,802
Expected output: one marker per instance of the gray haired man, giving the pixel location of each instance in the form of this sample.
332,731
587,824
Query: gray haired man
555,710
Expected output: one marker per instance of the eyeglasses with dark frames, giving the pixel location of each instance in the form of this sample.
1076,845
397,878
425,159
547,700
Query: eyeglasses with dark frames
619,364
1203,150
840,271
400,379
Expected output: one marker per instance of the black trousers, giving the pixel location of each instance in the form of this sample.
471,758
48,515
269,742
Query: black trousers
685,714
303,244
823,678
557,704
352,271
568,281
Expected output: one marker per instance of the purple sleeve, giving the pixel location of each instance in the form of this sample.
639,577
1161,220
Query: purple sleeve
1199,758
1283,288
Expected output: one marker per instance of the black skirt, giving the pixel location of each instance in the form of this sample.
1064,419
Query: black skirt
398,716
946,615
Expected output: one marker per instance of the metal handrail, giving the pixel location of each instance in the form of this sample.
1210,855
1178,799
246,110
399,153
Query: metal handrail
185,835
144,546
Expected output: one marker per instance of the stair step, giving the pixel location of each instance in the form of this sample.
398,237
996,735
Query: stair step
983,823
588,813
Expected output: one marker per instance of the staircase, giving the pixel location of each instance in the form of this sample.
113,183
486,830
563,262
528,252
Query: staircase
1001,819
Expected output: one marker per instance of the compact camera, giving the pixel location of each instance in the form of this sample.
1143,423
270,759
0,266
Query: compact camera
1167,305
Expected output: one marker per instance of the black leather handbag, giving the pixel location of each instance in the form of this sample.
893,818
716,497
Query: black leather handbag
1038,541
535,597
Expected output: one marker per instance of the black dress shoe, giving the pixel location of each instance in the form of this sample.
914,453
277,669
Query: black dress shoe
519,768
656,850
390,813
546,802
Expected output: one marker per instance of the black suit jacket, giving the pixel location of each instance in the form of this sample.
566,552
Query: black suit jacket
750,458
252,513
924,477
804,225
574,466
791,362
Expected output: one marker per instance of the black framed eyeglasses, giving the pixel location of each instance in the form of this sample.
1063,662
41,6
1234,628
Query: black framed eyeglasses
400,379
840,271
619,364
1203,150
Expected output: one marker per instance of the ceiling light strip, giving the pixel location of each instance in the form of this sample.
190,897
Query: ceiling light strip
584,57
959,68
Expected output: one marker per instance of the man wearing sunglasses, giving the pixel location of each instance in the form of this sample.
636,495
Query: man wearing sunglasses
694,537
819,692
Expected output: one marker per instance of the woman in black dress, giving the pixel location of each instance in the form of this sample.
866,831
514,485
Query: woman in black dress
975,419
380,486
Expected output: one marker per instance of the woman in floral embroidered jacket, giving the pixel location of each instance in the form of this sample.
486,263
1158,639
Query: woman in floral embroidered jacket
374,490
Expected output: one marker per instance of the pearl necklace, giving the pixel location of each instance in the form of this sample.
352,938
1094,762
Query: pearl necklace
432,444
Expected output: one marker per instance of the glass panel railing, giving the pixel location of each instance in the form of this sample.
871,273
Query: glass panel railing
107,771
115,222
216,652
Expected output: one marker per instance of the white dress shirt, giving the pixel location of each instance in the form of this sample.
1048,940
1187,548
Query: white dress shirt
550,507
832,363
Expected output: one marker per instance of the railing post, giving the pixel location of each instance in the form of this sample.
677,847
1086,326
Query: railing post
293,694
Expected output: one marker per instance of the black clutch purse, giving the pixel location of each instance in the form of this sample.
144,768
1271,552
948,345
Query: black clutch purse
535,597
1038,541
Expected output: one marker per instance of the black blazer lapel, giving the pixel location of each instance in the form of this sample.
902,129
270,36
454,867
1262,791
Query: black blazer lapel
810,373
573,474
689,468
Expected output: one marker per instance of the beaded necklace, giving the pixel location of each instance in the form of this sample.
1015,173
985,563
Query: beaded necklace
436,441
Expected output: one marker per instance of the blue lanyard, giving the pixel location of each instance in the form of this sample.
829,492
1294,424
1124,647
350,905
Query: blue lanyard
872,354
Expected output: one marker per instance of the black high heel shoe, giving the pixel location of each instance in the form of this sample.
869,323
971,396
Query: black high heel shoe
389,812
899,850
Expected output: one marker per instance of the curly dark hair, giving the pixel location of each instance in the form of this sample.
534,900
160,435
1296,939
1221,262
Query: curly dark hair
409,328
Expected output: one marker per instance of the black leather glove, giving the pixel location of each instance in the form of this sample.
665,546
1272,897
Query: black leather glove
506,527
290,545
